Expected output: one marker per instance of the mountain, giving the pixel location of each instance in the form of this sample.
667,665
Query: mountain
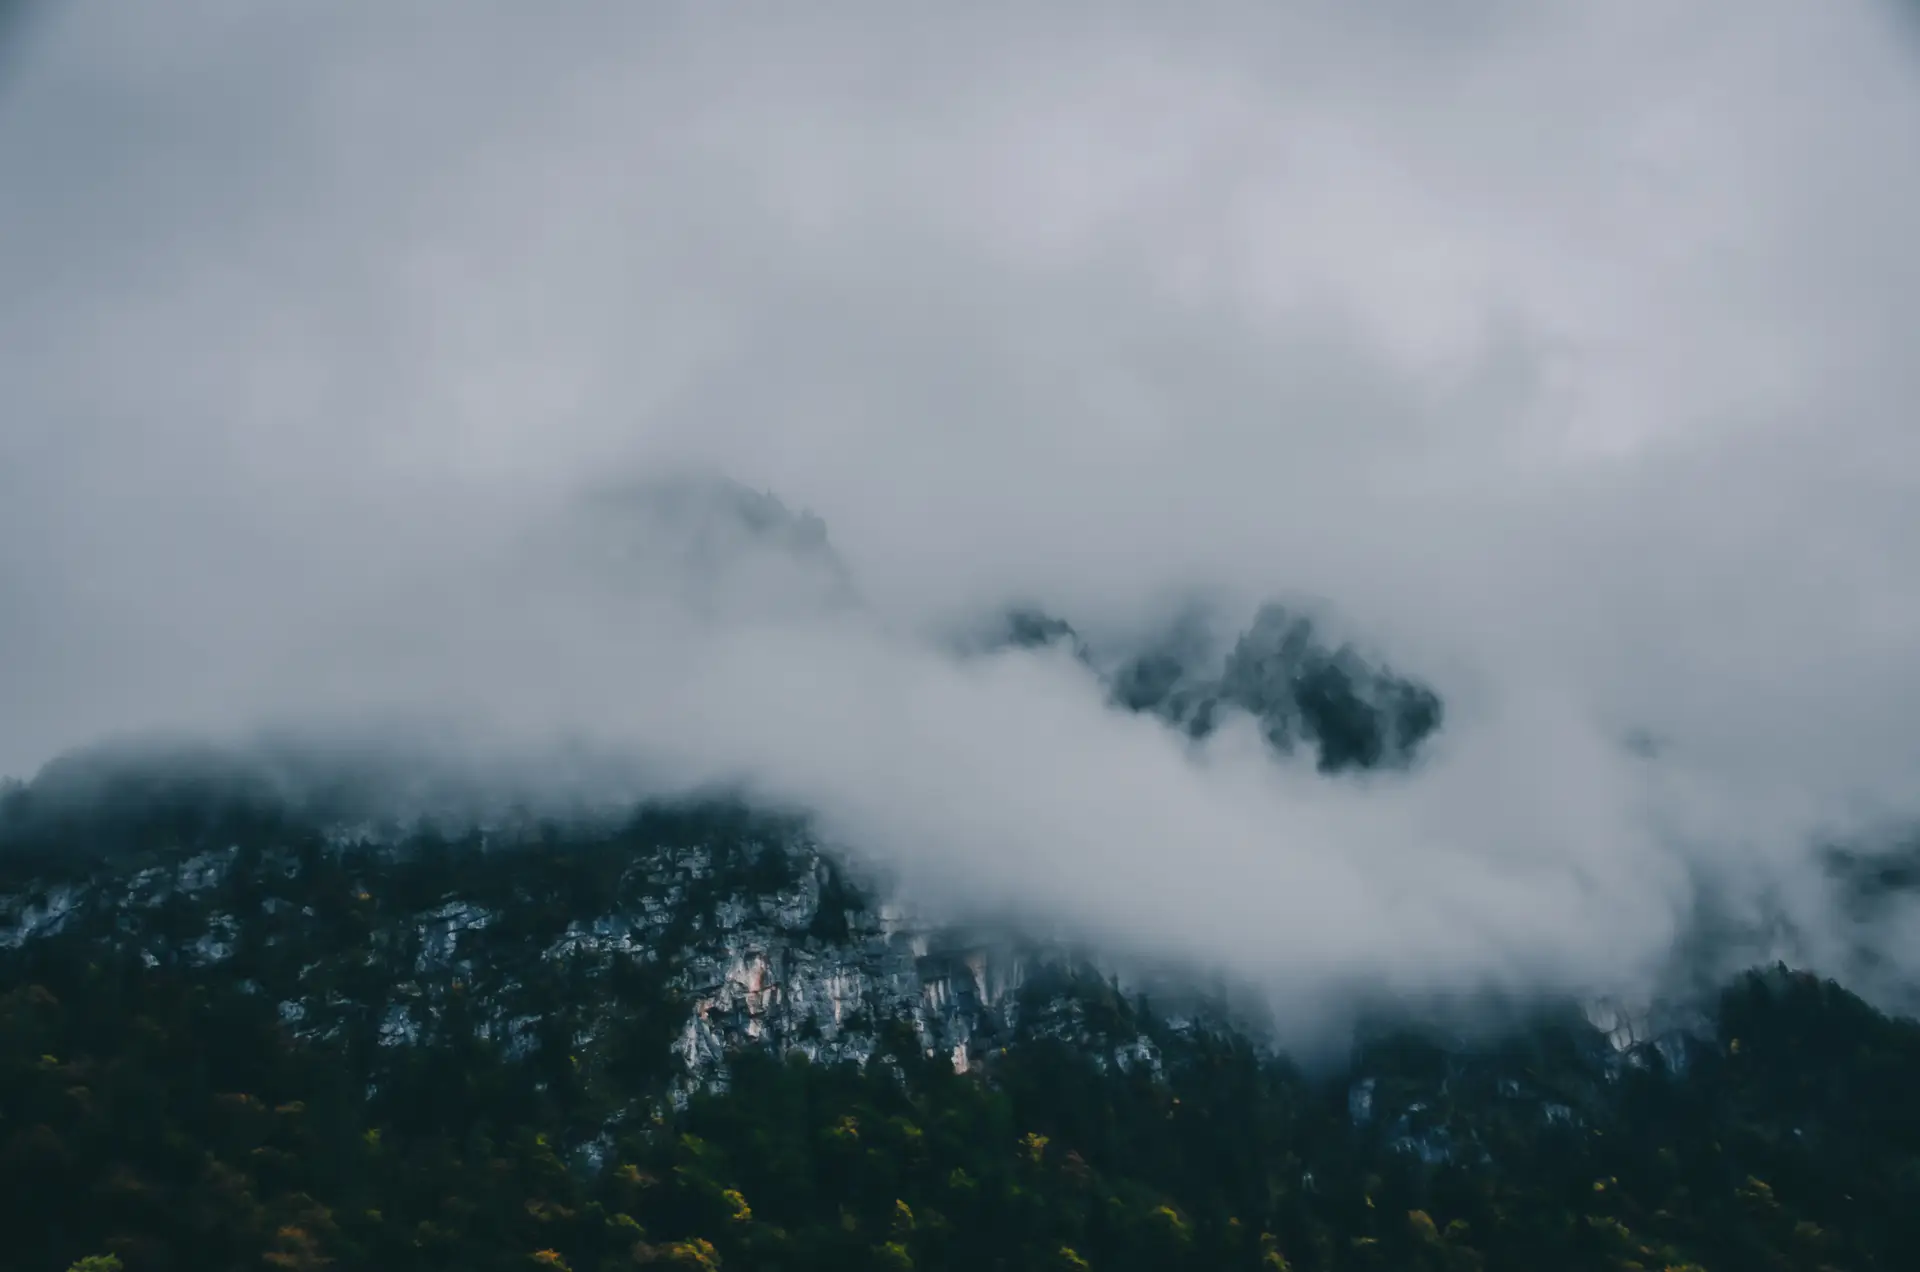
707,541
234,1033
1352,712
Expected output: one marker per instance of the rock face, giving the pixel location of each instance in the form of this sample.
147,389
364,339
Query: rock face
1671,1033
760,973
752,940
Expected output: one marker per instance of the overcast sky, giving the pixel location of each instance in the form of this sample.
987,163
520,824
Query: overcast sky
1565,350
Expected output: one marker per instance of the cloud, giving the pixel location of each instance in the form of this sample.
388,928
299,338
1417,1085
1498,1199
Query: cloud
1559,349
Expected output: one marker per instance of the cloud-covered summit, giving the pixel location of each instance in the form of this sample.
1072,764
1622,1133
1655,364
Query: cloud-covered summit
1563,347
713,544
1349,711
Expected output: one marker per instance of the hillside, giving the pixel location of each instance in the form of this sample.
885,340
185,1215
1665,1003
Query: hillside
690,1038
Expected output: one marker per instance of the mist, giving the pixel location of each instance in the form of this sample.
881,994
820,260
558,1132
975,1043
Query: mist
1558,353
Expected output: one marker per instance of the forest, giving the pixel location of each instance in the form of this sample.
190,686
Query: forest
160,1112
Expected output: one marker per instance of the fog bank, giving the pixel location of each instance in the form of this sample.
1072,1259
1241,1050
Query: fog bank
1555,353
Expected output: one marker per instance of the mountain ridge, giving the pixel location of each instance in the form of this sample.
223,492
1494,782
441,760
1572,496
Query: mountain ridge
642,999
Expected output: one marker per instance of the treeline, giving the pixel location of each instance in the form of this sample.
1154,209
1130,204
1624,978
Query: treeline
168,1120
158,1112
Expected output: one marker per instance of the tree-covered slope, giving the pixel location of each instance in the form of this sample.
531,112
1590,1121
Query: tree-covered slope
688,1039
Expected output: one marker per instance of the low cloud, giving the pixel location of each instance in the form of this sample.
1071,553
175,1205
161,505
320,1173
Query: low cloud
1553,353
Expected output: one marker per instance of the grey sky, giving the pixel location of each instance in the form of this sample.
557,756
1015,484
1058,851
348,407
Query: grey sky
1564,348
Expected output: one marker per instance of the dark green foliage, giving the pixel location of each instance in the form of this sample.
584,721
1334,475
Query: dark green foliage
170,1121
112,802
1025,627
1301,691
1356,715
1032,629
162,1113
837,896
1147,682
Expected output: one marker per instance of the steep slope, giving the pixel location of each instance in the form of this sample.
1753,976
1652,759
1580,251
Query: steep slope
687,1036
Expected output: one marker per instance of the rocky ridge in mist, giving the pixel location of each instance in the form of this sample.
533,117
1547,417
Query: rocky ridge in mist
747,932
668,1037
1349,711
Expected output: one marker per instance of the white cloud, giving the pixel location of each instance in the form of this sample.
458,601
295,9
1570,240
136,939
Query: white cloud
1562,347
